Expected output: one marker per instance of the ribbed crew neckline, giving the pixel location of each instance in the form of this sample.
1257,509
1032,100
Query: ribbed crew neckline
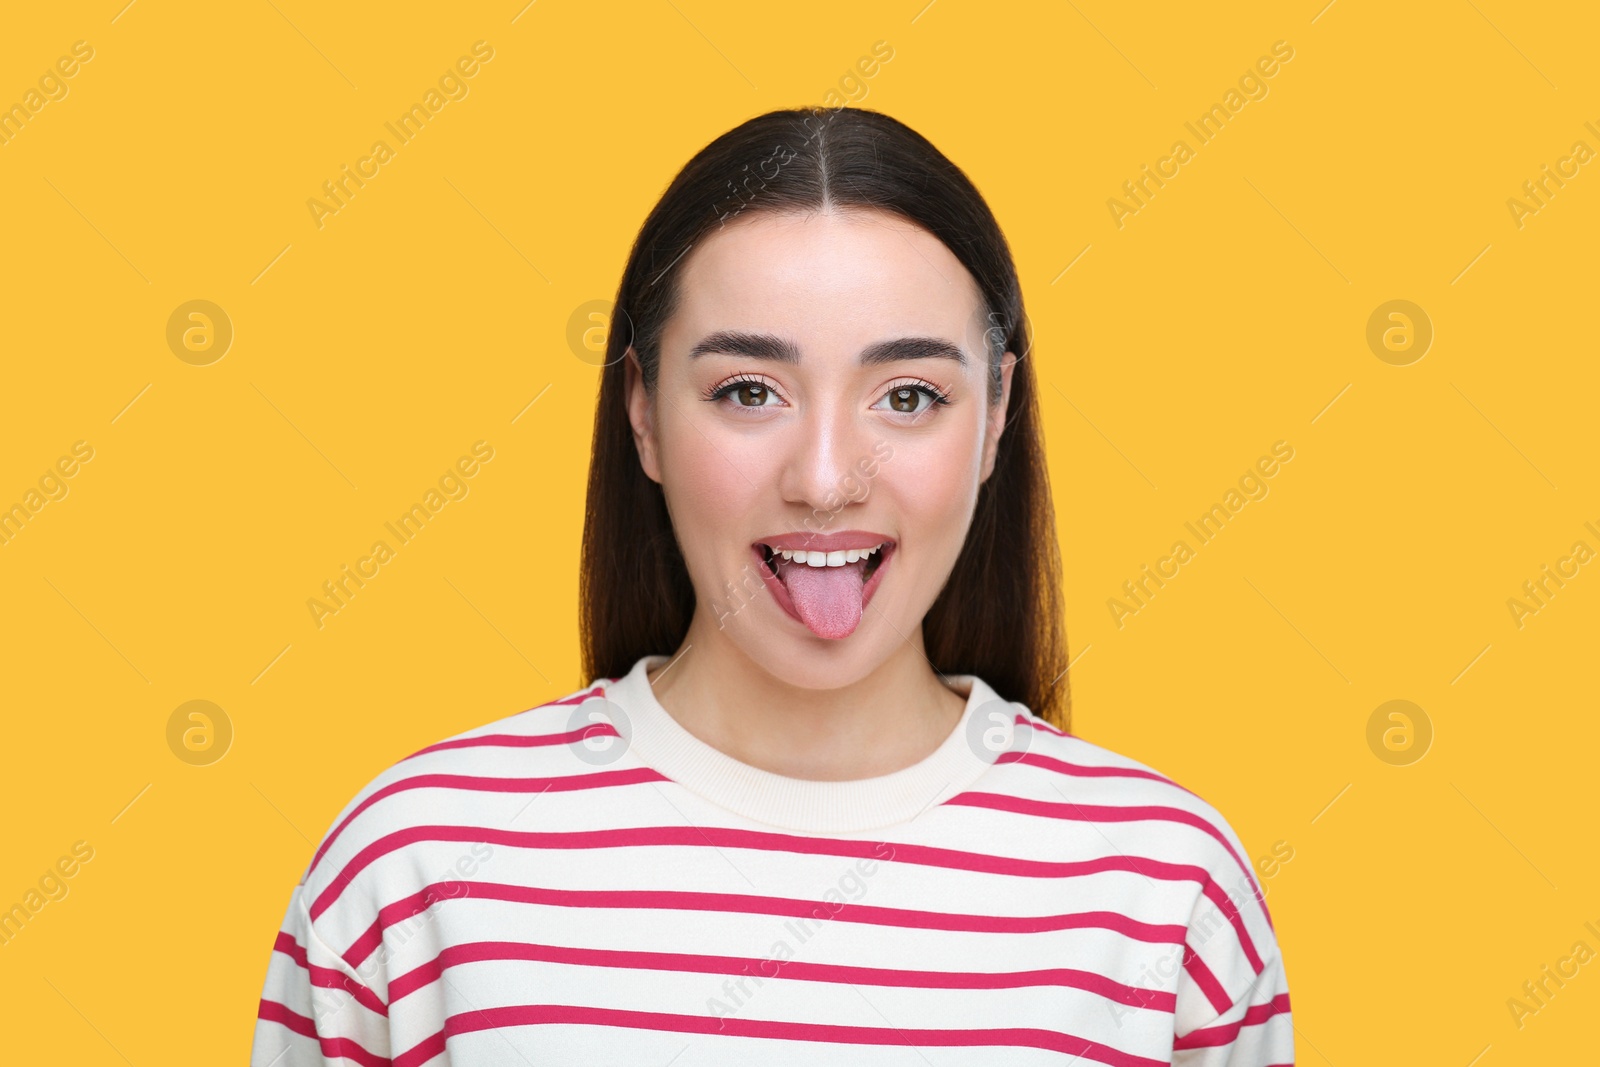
662,743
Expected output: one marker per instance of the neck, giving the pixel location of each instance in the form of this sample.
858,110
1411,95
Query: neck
886,720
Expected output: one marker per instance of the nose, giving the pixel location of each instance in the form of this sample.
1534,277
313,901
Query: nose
819,467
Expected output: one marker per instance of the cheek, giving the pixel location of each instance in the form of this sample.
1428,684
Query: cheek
930,485
935,491
711,484
708,468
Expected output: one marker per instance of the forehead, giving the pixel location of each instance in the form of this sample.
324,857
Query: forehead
847,276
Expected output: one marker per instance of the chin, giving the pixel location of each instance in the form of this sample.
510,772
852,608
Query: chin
808,662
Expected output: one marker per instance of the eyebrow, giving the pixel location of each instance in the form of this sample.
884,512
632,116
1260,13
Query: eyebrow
782,350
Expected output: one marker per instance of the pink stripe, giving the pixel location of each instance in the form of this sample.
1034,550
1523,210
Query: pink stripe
518,740
327,977
399,911
559,783
1198,971
474,952
729,837
368,942
1106,813
1218,896
334,1047
512,740
422,1052
1040,725
1212,1036
868,914
1084,770
541,1014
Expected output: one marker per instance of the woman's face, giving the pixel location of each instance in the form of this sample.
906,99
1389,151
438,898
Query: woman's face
821,388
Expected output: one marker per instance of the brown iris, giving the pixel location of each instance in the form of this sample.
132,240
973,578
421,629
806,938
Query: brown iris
907,395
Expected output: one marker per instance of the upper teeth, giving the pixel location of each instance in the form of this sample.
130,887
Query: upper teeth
829,559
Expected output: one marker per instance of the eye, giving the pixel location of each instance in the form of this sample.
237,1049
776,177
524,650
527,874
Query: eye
906,397
746,392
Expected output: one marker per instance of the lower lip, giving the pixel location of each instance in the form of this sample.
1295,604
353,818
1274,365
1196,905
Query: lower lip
781,594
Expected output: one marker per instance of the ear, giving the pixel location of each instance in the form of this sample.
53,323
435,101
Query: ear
997,416
641,414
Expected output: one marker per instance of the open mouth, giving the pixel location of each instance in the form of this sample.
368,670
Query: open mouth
869,559
827,592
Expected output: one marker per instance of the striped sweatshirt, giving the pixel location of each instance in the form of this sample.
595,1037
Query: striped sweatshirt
588,883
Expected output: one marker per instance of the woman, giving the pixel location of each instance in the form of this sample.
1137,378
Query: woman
819,801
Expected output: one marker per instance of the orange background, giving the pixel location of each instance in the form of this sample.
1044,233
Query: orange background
433,311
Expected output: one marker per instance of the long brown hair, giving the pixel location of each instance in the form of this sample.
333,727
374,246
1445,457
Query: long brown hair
999,615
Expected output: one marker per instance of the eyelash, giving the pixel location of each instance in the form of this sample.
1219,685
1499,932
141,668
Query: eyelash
928,389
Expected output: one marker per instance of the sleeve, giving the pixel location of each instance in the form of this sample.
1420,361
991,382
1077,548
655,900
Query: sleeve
315,1009
1254,1029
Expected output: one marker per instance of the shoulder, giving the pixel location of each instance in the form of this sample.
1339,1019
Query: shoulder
1062,776
1125,815
462,789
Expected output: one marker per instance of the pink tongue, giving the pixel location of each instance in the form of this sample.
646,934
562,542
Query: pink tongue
827,599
